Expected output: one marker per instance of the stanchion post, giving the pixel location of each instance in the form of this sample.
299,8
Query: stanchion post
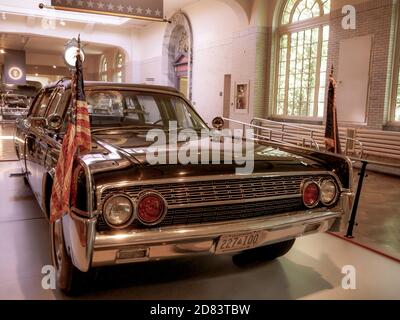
354,210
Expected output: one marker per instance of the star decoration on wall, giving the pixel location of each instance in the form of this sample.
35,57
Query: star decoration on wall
112,6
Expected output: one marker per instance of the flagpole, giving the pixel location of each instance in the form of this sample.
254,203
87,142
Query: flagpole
334,109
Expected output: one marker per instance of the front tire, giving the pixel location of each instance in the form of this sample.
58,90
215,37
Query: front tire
265,253
69,279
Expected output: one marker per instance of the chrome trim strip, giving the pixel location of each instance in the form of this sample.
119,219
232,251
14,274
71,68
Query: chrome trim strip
89,186
194,232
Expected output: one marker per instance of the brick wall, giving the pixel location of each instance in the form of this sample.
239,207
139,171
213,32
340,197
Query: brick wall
373,18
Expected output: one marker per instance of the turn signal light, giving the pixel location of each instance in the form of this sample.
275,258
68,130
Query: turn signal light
311,194
151,208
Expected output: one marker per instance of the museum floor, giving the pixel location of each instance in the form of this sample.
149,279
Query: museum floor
312,270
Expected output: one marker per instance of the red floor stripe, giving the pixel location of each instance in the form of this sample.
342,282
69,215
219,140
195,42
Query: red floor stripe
366,247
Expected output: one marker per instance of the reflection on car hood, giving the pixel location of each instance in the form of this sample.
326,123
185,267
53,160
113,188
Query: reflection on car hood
129,148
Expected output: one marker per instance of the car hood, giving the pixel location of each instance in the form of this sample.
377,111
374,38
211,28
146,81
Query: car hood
133,148
123,157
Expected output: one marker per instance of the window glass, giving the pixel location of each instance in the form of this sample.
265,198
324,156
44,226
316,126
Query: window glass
55,102
40,107
104,69
303,58
111,108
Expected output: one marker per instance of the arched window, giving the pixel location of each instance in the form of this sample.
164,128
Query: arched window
119,67
104,69
302,59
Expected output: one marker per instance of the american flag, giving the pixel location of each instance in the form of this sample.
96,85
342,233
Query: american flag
77,140
332,139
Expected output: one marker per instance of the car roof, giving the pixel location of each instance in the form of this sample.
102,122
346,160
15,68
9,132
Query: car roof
66,83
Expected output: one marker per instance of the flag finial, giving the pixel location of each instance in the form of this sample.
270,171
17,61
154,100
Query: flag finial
332,70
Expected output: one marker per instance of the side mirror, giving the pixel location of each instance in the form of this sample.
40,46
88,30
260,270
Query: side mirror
218,123
54,122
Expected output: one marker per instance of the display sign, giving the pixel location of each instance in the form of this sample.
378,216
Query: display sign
14,71
139,9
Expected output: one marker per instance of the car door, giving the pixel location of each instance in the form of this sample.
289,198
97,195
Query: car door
35,146
22,132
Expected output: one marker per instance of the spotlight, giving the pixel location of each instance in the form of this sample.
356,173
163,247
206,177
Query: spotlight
36,74
63,23
2,51
54,67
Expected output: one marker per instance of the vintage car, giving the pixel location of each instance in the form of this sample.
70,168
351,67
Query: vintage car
128,210
14,106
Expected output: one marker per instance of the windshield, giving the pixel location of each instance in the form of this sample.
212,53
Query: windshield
119,109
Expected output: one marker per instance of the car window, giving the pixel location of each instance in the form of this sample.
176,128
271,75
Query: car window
150,109
42,104
57,103
119,108
35,104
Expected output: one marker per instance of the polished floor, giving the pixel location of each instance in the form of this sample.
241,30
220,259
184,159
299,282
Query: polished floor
312,270
378,216
7,151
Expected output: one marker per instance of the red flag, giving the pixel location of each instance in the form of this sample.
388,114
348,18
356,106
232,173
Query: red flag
332,138
76,140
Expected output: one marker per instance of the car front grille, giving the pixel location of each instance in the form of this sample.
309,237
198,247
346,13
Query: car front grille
209,214
189,193
208,201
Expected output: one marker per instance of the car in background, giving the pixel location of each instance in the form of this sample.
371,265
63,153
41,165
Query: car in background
30,89
14,106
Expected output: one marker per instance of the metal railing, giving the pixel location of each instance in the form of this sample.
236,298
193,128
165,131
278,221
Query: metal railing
311,133
278,136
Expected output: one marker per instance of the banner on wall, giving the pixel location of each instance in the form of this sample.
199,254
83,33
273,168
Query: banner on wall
135,9
14,71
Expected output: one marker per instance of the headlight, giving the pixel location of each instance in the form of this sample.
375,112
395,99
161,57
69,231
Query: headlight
151,208
118,211
329,192
311,194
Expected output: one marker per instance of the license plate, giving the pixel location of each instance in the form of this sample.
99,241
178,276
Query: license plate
239,242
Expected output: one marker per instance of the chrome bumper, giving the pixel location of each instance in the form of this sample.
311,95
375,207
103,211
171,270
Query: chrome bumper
89,248
136,246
